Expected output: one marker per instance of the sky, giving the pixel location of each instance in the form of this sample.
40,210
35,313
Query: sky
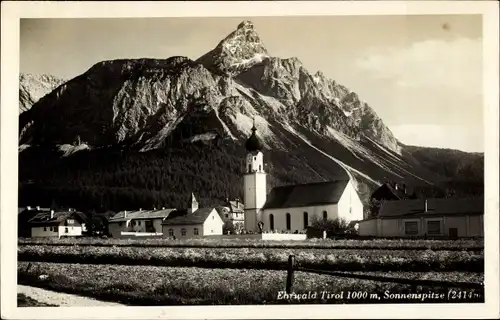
422,74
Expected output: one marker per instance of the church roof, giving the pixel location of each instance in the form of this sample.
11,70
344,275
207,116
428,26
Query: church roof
302,195
253,143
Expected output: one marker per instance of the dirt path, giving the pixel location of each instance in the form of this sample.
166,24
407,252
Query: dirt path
62,299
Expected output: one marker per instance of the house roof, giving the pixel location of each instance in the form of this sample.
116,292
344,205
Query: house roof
141,214
236,206
398,193
182,217
435,206
309,194
43,218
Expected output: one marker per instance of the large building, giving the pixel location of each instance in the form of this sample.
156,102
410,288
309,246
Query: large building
438,217
292,208
137,221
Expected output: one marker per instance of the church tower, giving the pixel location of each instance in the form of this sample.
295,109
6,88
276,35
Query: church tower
254,182
193,204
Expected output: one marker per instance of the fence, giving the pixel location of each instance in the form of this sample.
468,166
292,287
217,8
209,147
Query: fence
294,266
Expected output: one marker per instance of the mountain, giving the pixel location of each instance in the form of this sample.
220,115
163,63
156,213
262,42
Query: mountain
33,87
147,132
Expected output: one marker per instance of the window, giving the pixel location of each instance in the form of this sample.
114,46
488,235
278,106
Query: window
434,227
226,215
183,232
411,228
196,231
306,220
70,221
44,228
171,232
288,221
325,215
213,217
211,231
139,222
66,230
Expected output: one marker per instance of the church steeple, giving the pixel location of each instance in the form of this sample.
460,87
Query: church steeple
253,143
193,204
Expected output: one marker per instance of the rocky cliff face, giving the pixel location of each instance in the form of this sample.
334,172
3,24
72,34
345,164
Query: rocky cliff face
33,87
148,104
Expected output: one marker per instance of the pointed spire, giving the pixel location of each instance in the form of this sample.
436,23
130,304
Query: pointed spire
253,126
194,204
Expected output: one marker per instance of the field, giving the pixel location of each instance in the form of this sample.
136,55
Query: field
251,243
149,285
161,272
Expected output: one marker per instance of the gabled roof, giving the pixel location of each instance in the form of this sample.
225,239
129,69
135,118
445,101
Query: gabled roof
435,206
141,214
43,218
236,206
309,194
182,217
389,192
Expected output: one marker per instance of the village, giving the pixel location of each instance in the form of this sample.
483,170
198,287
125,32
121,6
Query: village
291,212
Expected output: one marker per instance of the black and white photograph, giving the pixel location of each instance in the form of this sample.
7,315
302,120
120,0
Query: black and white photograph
338,157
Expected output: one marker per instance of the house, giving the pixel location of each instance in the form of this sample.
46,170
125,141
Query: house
436,217
234,212
193,222
292,207
140,221
391,191
57,224
23,218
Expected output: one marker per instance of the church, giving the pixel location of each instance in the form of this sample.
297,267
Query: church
291,208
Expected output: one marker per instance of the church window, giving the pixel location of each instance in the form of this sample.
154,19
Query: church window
271,221
183,232
306,220
325,215
288,221
260,167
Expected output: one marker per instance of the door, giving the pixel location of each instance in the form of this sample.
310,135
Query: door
453,233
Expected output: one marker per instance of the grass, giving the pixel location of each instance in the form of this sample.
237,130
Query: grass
261,258
386,244
150,285
25,301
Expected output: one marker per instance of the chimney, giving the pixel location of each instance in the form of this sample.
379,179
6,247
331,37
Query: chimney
125,213
52,214
28,208
237,202
140,209
425,207
38,208
163,208
154,208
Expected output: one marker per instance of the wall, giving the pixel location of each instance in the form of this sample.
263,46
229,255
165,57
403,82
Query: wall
283,236
368,227
115,229
39,232
74,230
296,216
189,231
350,206
467,226
213,224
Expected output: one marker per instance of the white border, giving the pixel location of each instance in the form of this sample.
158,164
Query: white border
10,15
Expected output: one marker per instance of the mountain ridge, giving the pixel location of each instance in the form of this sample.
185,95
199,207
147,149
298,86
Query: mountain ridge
143,105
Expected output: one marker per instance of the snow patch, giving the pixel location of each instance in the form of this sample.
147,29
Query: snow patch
69,149
203,137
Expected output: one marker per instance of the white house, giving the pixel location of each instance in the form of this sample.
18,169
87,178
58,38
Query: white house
233,211
193,222
56,224
439,217
140,221
291,208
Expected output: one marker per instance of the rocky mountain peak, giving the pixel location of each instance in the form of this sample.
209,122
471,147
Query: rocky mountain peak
237,52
